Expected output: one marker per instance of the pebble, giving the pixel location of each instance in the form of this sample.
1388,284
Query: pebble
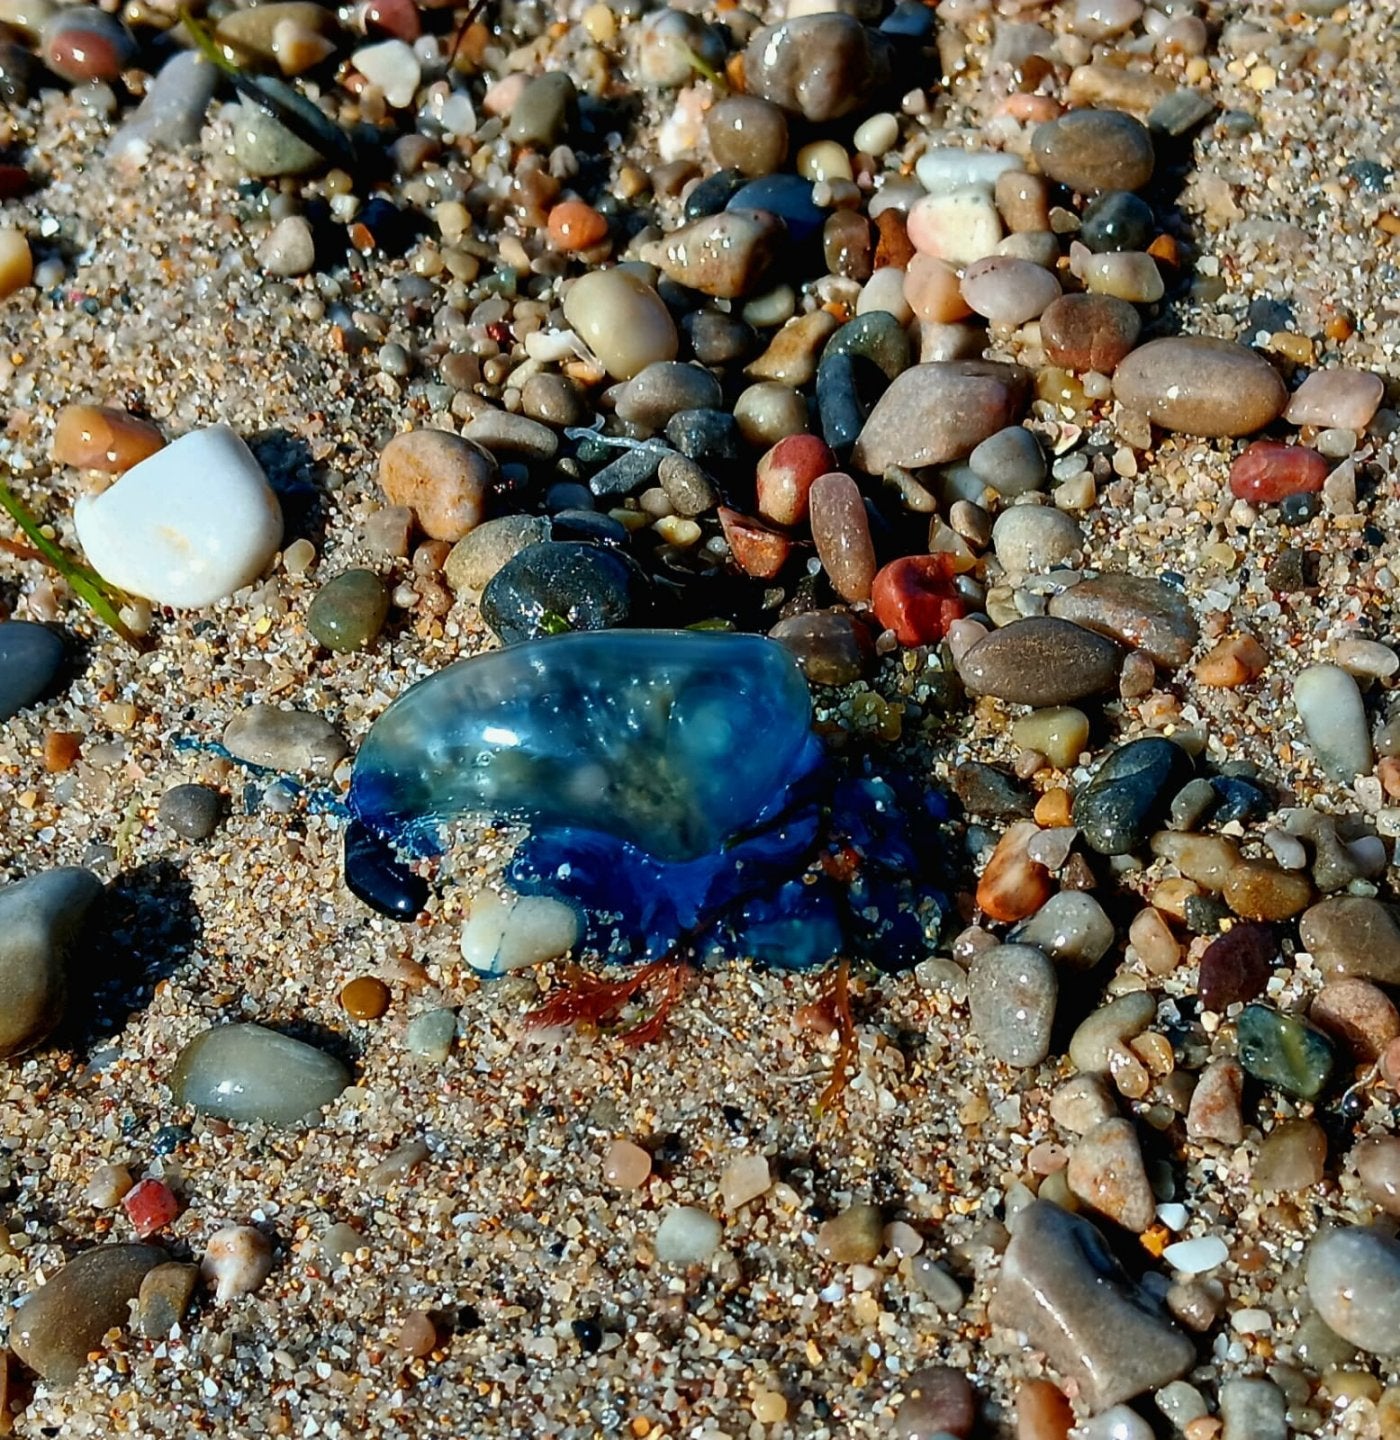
1353,1279
1008,291
915,597
154,535
1198,1256
792,355
1106,1171
1261,890
542,115
1040,661
1012,991
560,584
724,255
1128,276
1071,928
790,199
30,659
1042,1412
54,1328
1200,386
622,320
1129,794
41,920
877,336
1102,1035
500,936
747,134
938,1401
1031,539
948,167
1010,461
933,290
1092,150
1358,1014
500,432
841,531
280,739
349,611
1215,1112
1329,704
1089,332
654,394
1060,733
289,248
831,646
245,1072
1117,1423
365,998
107,1185
1292,1158
265,148
1061,1287
553,399
150,1206
1236,966
376,877
1284,1051
1352,936
818,66
1336,399
990,792
236,1261
16,261
1117,220
430,1036
164,1297
1236,660
444,479
687,1236
959,226
745,1178
1253,1410
785,476
171,115
1266,472
84,43
854,1237
626,1166
394,67
1377,1161
1136,610
101,437
1081,1103
1013,885
757,550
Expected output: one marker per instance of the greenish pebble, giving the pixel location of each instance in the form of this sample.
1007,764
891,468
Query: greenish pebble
1284,1051
264,146
349,611
876,336
247,1072
431,1035
542,115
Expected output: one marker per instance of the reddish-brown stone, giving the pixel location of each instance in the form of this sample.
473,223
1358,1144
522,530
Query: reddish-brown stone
1236,967
785,476
1089,332
916,598
1267,472
757,550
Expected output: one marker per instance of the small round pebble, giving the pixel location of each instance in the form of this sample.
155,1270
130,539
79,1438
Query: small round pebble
687,1236
365,998
349,611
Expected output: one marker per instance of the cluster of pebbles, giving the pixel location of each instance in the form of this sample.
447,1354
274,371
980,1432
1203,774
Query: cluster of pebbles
1023,370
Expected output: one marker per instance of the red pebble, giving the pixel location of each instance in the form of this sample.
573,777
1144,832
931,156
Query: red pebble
151,1206
14,181
785,476
1267,472
398,18
757,550
917,599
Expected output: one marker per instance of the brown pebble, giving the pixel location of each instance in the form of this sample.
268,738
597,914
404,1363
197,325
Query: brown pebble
833,647
1359,1014
1237,660
1215,1111
1236,966
61,750
1201,386
853,1237
1090,150
1013,885
894,246
365,998
1107,1173
1293,1157
1042,1412
841,530
1089,332
757,550
846,245
1024,201
1377,1161
100,437
164,1297
1040,661
442,478
937,1400
1259,890
418,1335
747,134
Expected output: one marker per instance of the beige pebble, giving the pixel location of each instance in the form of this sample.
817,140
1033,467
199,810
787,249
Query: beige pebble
16,263
853,1237
442,478
626,1166
236,1261
1215,1110
622,320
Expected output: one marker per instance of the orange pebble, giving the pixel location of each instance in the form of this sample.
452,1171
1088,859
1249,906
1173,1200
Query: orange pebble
417,1335
100,437
1013,885
1042,1413
1052,809
1032,108
1235,661
365,998
576,226
61,749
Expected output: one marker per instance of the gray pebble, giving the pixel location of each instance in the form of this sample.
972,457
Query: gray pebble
503,433
1071,928
289,248
476,557
654,394
1011,461
1333,713
1253,1410
1011,991
285,740
1031,539
689,489
30,656
247,1072
191,811
1353,1277
541,116
172,113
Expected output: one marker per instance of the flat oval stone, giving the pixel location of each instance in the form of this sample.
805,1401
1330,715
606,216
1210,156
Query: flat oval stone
1011,993
349,611
1031,539
84,43
1122,805
54,1328
1008,291
1135,610
622,320
1267,472
560,585
1333,713
477,556
1200,386
1377,1161
841,530
1091,150
30,656
441,477
1236,966
1353,1278
1337,399
1285,1051
192,811
1089,332
1040,661
1352,935
246,1072
280,739
833,647
100,437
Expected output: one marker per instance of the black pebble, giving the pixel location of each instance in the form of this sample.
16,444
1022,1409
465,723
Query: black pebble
375,875
558,585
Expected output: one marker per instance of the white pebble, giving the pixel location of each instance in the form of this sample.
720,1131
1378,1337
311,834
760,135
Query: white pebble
503,935
393,66
1118,1423
946,168
959,226
1195,1257
1334,716
687,1236
877,134
236,1261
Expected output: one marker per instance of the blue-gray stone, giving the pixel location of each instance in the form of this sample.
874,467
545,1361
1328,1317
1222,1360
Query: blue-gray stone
839,404
706,436
30,656
632,469
1130,794
787,196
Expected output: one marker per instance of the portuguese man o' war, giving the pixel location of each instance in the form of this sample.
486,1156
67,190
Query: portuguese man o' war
671,787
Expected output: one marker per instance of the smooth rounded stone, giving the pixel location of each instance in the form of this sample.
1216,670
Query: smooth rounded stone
171,115
1329,704
1008,291
264,147
818,66
1353,1279
718,339
553,400
1198,1256
938,1401
1253,1410
280,739
501,935
101,437
349,611
1266,472
688,489
1089,332
747,134
193,812
789,197
1116,1423
854,1237
1060,733
1106,1171
687,1236
1215,1111
560,585
1117,220
1135,610
478,555
841,530
1090,150
393,66
1128,276
745,1178
1100,1037
55,1328
1293,1157
1040,248
1236,966
246,1072
1040,661
1284,1051
1081,1103
1031,539
1071,928
1060,1286
157,535
430,1035
628,473
84,43
936,413
164,1297
1358,1014
30,658
1011,992
236,1261
933,290
41,918
541,116
1013,886
785,475
1352,935
1209,860
1200,386
724,255
707,436
1336,400
876,336
832,646
1126,800
917,599
622,320
251,34
948,167
1377,1162
497,432
960,227
653,395
289,248
1010,461
793,354
668,42
1261,890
